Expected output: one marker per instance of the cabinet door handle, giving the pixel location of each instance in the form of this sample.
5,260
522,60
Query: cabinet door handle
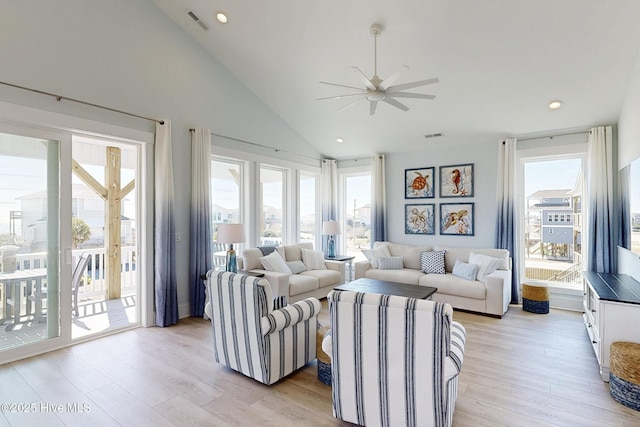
593,310
595,342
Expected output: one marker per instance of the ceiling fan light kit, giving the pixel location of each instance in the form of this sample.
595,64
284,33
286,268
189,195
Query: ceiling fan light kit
376,89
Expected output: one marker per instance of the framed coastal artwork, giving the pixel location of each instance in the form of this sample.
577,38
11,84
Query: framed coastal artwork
418,183
420,218
456,219
456,180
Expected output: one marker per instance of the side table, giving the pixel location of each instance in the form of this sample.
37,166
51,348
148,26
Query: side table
343,258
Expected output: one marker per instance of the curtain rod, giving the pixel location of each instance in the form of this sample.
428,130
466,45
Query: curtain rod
553,136
259,145
60,98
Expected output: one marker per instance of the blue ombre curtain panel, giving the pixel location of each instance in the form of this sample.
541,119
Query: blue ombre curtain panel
378,199
506,236
166,284
201,233
600,242
329,171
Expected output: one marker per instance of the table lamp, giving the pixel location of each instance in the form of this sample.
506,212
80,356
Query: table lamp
331,228
230,234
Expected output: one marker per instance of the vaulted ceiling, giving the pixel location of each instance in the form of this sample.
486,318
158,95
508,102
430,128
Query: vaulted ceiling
499,64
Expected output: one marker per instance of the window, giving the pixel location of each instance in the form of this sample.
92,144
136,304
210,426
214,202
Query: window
356,213
552,251
272,182
226,192
307,198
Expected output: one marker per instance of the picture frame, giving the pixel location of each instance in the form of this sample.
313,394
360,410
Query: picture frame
420,218
419,183
456,180
457,219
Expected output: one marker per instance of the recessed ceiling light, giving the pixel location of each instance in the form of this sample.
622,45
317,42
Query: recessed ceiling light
221,17
339,140
554,105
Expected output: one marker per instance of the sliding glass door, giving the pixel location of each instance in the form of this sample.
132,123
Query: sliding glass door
34,239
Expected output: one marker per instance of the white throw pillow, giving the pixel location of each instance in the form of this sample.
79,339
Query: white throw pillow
297,266
275,262
464,270
374,254
390,263
486,264
432,262
314,260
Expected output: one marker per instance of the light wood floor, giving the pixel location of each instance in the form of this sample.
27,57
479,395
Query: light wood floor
523,370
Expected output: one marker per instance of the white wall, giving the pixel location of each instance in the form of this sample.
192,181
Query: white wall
128,55
628,150
484,156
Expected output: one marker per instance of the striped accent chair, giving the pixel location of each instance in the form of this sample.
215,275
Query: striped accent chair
249,336
394,360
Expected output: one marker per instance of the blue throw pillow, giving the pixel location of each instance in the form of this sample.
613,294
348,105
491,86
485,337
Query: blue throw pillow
465,270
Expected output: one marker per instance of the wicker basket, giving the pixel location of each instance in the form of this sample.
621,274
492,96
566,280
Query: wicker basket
624,374
535,298
324,361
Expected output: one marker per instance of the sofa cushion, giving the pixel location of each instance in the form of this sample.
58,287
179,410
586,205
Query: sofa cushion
373,254
313,260
390,263
408,276
486,264
301,283
410,254
324,277
432,262
251,258
448,284
274,262
292,252
297,266
465,270
462,254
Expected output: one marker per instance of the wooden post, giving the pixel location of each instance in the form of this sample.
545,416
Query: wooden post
112,231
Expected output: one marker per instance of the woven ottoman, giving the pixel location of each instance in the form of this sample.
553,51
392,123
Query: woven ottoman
624,374
535,298
324,362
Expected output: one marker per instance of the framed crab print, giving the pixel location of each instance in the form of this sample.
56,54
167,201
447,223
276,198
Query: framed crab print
418,183
456,180
420,219
456,219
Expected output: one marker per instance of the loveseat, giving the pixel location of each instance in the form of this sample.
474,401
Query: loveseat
309,274
400,263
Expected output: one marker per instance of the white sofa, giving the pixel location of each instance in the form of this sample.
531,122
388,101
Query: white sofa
311,283
491,297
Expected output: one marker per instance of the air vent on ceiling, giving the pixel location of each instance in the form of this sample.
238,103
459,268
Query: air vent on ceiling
434,135
199,21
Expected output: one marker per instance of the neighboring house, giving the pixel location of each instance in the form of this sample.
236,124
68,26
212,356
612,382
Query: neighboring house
551,214
86,205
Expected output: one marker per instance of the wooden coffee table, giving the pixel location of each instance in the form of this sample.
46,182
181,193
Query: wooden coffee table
374,286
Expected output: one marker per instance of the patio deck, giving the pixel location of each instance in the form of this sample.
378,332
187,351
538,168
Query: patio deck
95,316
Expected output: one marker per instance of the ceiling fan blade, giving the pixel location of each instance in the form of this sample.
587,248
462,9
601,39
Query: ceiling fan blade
364,79
372,107
386,83
339,85
411,95
348,95
395,103
353,102
398,88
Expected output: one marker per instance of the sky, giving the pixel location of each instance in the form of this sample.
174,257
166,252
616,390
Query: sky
550,175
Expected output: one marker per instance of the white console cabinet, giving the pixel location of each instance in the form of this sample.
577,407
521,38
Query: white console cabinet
611,313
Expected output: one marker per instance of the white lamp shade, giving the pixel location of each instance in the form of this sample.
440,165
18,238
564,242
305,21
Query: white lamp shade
331,228
230,233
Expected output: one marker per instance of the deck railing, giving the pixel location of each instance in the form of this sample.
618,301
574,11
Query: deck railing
93,284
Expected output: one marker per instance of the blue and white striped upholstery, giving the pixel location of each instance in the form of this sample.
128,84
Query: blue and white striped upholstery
250,337
395,361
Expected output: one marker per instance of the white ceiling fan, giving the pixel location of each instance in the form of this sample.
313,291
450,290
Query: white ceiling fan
377,89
